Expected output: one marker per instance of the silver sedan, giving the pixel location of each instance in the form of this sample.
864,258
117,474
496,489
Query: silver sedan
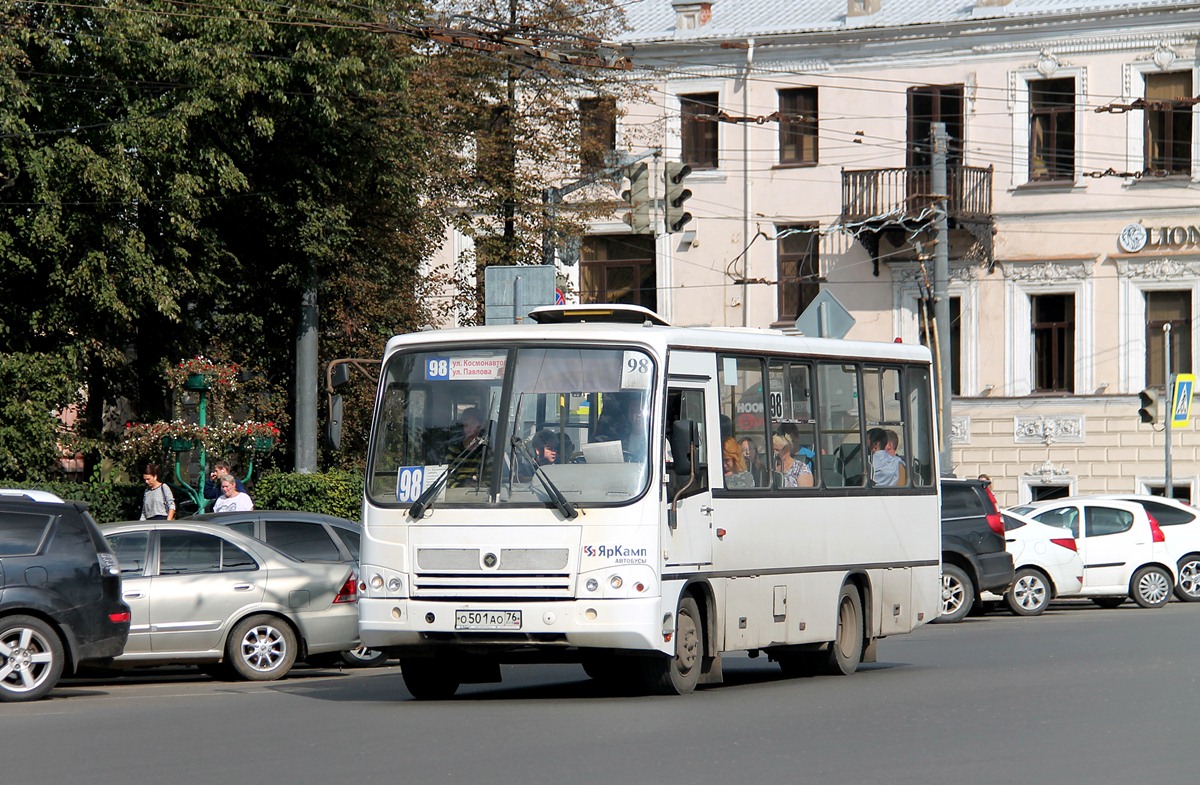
204,594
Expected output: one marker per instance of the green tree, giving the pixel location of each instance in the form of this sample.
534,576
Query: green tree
172,177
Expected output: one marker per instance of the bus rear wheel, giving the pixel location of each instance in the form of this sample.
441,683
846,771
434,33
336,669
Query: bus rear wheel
679,674
428,678
846,650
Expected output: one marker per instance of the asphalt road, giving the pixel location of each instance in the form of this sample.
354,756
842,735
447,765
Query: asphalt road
1079,695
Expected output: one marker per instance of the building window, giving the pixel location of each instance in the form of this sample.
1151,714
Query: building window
1169,123
1175,309
934,104
798,126
618,270
698,129
597,132
1053,342
799,269
927,316
1052,129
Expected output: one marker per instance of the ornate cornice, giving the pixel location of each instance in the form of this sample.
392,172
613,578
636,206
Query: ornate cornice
1066,428
912,273
1048,271
1089,45
1162,268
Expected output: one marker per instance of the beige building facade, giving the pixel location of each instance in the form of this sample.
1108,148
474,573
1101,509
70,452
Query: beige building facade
1072,176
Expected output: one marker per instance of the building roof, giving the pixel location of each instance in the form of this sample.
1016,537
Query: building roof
654,20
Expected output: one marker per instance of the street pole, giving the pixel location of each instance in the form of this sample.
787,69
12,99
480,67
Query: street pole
941,287
1169,411
306,380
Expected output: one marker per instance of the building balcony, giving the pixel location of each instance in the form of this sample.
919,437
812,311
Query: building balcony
901,202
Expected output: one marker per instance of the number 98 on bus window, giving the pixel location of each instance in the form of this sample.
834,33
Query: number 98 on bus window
636,371
410,481
437,369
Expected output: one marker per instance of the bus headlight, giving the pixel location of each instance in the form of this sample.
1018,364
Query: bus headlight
592,584
616,582
377,582
395,584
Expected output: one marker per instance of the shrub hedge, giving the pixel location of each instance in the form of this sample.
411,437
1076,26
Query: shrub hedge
337,493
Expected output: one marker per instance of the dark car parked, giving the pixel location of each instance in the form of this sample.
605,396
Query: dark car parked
60,594
973,554
306,536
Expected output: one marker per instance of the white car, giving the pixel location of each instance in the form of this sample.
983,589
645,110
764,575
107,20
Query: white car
1180,523
1047,561
1124,551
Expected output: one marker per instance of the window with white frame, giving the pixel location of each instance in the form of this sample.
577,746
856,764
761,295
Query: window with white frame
1168,123
1052,129
1050,315
1173,307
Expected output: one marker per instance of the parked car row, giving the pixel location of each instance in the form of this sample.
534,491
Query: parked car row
1108,548
237,594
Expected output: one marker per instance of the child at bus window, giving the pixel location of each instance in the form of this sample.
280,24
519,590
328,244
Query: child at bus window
885,467
736,475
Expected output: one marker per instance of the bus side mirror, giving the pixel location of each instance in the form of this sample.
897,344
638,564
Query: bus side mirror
684,435
333,428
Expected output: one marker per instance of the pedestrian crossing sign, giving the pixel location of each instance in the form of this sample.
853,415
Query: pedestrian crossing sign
1181,401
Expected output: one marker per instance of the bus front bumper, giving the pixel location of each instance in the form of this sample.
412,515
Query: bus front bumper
607,624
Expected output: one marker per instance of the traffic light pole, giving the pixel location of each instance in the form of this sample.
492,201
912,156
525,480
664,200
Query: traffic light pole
1168,408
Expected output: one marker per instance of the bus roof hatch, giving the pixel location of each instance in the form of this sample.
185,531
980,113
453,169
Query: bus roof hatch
604,313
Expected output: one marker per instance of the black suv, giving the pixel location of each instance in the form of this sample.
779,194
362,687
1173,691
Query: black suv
973,555
60,594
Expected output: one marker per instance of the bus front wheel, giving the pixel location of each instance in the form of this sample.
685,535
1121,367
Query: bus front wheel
679,674
428,678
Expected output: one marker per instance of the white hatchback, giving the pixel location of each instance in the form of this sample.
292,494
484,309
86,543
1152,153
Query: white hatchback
1180,523
1047,562
1124,552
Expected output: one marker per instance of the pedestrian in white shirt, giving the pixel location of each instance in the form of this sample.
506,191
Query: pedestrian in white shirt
231,498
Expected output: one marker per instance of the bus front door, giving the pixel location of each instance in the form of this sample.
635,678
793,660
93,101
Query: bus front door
690,528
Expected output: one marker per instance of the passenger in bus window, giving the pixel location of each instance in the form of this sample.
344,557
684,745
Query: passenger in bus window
621,419
892,447
754,461
885,466
736,475
794,473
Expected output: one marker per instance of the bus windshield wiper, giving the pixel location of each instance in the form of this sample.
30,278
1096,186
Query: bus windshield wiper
424,502
565,507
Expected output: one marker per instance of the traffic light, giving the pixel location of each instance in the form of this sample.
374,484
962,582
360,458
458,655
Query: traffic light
638,196
1149,400
676,195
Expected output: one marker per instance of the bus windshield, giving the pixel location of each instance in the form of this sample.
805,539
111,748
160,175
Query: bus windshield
500,424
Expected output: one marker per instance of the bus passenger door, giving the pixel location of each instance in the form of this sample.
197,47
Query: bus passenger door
690,531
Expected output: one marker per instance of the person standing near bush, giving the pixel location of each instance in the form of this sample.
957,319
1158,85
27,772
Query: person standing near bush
158,503
212,486
231,498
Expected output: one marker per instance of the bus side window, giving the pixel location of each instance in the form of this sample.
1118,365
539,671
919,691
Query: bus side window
686,405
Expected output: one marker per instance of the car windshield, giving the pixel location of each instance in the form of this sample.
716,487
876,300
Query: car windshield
502,424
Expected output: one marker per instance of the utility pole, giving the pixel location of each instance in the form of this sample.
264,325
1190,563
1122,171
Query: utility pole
941,288
306,378
1168,406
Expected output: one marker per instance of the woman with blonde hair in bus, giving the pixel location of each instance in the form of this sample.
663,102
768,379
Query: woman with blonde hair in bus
795,474
736,475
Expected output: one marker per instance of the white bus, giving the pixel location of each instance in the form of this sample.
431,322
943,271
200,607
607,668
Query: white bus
570,490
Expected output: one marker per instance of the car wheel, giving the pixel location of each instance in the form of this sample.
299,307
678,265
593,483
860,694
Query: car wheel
261,648
679,674
1030,593
31,659
1188,588
362,657
845,651
1151,587
428,678
958,594
1109,602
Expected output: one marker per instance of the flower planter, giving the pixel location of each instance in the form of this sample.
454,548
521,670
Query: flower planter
197,381
264,443
176,445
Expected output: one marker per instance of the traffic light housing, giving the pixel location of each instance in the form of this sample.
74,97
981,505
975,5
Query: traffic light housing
676,195
1148,398
638,196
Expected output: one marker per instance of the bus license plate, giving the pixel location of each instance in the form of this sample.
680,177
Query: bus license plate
487,620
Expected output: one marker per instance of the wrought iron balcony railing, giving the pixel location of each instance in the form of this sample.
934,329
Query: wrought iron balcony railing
901,196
